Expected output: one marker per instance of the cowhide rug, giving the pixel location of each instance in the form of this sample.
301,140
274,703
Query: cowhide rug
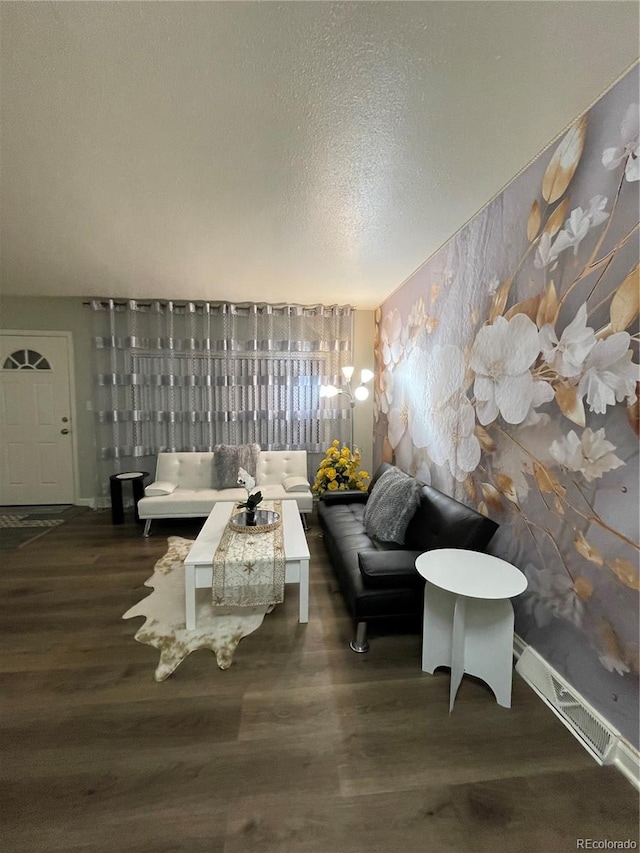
219,629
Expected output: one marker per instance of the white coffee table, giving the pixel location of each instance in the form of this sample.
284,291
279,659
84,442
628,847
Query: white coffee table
468,618
198,567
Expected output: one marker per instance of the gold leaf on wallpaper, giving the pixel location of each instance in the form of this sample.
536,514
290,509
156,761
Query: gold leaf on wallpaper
486,442
625,571
500,299
469,375
528,307
555,222
633,658
505,484
549,307
558,506
546,481
491,496
633,412
588,551
604,332
435,292
564,162
625,303
378,315
431,324
610,640
482,508
533,222
583,588
569,403
470,488
387,451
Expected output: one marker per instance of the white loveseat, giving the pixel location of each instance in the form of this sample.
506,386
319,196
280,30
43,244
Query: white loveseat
183,484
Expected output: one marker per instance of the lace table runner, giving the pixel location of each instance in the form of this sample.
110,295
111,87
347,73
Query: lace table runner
248,568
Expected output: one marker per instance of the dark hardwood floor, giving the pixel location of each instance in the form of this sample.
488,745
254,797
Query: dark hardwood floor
301,746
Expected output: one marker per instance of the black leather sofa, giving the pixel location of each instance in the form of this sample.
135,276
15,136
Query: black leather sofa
379,580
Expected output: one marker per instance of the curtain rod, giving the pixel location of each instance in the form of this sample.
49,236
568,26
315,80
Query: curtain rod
147,303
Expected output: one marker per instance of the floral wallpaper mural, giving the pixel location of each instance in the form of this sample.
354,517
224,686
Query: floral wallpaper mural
507,375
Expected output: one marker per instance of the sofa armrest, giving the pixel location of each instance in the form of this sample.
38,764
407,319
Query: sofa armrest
159,487
347,496
390,569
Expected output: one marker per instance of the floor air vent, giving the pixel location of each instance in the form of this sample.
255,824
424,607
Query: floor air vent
597,737
583,721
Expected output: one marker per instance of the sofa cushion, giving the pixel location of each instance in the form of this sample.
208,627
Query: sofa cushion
296,484
442,522
390,569
391,506
160,487
228,459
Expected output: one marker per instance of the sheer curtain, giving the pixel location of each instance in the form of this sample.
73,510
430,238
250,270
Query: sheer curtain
189,375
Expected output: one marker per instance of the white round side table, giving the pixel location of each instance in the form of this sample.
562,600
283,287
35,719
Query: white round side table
468,618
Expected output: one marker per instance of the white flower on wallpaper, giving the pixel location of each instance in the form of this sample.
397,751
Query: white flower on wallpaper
501,358
591,454
613,664
525,409
389,349
404,378
629,151
493,285
546,253
455,442
416,321
576,228
551,594
443,420
385,397
579,224
567,355
518,447
609,375
390,338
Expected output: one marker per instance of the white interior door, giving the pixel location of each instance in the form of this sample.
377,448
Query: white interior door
36,451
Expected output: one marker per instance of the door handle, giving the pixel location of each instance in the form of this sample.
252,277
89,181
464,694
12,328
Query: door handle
64,432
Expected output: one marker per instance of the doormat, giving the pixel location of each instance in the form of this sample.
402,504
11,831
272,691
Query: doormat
22,524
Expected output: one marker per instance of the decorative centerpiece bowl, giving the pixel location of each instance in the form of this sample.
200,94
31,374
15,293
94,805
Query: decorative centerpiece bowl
252,520
259,521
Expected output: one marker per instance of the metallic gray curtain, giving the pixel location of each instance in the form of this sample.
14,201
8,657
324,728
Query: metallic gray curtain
186,376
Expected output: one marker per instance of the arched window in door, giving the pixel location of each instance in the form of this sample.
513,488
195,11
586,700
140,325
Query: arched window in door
26,359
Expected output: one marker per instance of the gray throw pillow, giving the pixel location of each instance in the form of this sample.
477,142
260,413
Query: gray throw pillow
391,506
228,459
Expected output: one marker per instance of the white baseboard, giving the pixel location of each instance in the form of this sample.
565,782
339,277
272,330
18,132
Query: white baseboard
94,503
627,760
604,743
90,502
519,646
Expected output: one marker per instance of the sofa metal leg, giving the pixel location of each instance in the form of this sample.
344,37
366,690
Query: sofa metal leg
305,523
147,528
359,643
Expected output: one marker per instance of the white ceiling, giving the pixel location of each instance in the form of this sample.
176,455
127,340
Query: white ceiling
267,151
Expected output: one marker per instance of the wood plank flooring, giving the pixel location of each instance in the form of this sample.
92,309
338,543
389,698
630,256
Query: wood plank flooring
301,746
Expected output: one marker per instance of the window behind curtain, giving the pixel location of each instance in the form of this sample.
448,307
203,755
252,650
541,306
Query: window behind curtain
187,376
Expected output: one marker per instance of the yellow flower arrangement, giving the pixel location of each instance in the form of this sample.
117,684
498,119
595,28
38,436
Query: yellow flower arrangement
339,470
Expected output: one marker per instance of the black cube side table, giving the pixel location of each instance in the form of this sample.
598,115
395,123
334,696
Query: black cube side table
136,478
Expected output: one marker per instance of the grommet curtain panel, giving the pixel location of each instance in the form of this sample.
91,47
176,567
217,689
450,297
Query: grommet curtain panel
188,375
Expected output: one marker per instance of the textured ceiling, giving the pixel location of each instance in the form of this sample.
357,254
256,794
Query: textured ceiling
301,151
